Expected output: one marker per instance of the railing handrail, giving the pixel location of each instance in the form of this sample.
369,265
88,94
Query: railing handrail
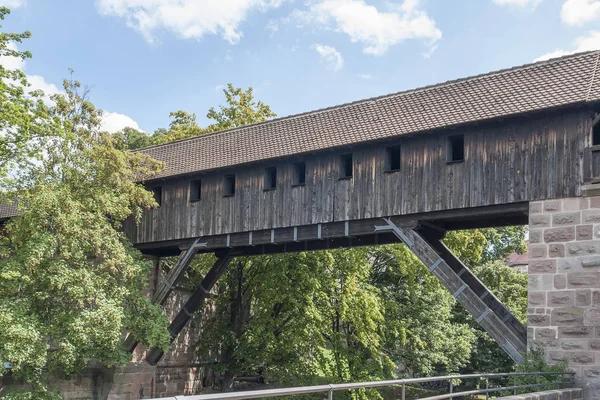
291,391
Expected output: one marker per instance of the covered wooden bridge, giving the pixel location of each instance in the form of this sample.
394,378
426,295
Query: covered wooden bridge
402,167
410,166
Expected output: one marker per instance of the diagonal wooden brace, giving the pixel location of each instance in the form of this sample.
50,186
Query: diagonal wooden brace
168,282
195,302
514,344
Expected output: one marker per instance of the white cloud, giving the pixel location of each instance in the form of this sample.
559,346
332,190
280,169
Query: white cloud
365,24
519,3
329,56
111,122
12,62
188,19
114,122
578,12
583,43
36,82
12,4
364,76
273,27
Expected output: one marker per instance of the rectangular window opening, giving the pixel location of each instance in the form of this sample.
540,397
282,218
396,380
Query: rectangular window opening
392,162
346,166
596,133
270,178
196,190
456,148
229,185
157,193
299,174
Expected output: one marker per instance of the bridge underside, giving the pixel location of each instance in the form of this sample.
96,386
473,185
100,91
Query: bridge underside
422,234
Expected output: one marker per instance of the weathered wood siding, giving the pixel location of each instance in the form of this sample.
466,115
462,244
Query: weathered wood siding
521,159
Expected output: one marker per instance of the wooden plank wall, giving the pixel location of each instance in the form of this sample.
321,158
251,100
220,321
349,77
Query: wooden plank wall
522,159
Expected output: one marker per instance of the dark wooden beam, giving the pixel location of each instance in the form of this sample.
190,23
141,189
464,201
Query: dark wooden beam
476,217
166,285
438,264
478,288
194,303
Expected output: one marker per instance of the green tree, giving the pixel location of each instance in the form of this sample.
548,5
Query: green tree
131,139
22,111
421,336
241,108
70,282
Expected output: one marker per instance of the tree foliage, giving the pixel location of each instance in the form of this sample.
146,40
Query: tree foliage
70,282
240,108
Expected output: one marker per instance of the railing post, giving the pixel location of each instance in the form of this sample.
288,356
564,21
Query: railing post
515,384
403,391
330,393
451,387
487,386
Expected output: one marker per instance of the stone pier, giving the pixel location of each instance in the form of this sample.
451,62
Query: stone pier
564,285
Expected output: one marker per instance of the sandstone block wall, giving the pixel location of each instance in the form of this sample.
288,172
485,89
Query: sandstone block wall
564,285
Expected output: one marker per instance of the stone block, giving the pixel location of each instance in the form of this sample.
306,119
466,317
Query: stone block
562,234
552,205
556,250
594,344
577,280
535,207
582,358
560,281
557,356
542,266
540,310
573,344
545,334
570,218
583,248
591,216
540,221
564,265
589,261
538,251
594,202
595,297
583,297
561,298
536,299
591,316
584,232
538,320
535,235
567,316
575,204
547,281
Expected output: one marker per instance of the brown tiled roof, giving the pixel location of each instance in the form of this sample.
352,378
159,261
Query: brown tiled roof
8,209
555,83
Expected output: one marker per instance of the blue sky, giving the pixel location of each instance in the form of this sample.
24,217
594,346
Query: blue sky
145,58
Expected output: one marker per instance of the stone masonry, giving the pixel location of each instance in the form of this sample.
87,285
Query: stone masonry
564,285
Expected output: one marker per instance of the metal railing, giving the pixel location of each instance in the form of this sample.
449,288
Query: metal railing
330,389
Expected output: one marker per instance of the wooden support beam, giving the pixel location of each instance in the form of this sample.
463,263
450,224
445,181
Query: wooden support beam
512,344
476,217
194,303
166,285
474,284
